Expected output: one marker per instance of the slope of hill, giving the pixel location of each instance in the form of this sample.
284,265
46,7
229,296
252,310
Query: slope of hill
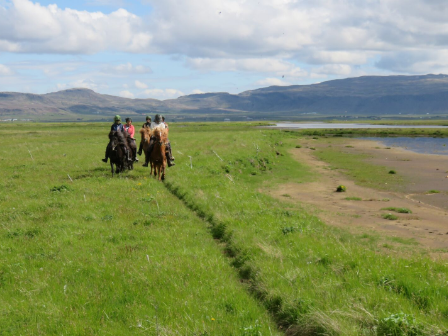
368,95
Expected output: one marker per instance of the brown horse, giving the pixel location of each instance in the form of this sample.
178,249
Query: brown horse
158,155
145,133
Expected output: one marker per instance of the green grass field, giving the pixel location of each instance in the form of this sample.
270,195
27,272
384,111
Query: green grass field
204,253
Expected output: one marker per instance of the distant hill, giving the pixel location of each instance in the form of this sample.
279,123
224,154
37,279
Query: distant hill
361,96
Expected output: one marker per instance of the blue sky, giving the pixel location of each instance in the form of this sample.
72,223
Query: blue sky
166,48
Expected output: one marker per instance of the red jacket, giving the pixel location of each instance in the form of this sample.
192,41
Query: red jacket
130,129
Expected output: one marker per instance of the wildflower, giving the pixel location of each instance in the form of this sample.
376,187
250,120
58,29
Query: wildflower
213,319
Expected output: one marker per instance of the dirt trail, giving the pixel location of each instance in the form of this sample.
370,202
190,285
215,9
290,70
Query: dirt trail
428,223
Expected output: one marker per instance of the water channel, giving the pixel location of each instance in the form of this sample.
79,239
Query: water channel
425,145
322,125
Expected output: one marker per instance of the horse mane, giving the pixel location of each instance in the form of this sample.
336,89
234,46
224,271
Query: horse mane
160,134
157,133
121,137
145,133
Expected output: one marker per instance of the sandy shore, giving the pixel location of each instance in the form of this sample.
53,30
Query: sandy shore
428,223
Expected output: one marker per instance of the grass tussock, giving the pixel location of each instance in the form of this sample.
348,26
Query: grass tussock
389,216
399,210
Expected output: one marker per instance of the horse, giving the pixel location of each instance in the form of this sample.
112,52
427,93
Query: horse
117,154
145,133
131,148
158,155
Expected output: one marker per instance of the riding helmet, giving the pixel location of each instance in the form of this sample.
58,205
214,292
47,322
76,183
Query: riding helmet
117,118
157,118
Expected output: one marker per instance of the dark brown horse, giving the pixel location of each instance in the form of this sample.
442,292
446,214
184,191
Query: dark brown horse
158,155
117,153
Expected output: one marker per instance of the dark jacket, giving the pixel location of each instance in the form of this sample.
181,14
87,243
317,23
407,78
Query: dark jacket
117,127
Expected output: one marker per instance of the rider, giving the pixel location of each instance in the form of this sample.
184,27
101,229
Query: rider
158,123
146,124
131,131
116,126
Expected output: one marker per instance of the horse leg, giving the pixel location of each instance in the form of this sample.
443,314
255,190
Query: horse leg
112,168
163,170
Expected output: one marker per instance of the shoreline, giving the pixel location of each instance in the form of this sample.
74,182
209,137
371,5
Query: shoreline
428,222
407,147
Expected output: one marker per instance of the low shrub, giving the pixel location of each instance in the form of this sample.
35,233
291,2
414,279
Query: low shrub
399,210
399,325
389,216
341,188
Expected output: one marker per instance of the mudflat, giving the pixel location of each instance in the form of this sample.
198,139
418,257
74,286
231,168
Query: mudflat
362,208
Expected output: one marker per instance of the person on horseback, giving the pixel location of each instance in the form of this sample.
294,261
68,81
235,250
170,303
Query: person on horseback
131,131
116,126
146,124
159,123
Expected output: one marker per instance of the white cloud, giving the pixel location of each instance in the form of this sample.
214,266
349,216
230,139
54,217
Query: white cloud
272,82
126,94
270,38
115,3
197,91
30,27
127,69
5,71
348,32
140,85
263,65
338,57
418,61
81,83
335,69
162,93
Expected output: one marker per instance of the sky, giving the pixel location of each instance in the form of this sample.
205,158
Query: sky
164,49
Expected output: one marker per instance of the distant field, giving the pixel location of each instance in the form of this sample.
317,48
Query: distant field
204,253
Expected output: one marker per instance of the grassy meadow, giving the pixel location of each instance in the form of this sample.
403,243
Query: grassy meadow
203,253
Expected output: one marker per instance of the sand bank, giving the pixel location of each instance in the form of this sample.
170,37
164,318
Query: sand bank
428,222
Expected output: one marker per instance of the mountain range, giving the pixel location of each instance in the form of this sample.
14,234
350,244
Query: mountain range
361,96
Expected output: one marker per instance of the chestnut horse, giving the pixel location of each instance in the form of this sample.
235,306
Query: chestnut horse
145,133
158,155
